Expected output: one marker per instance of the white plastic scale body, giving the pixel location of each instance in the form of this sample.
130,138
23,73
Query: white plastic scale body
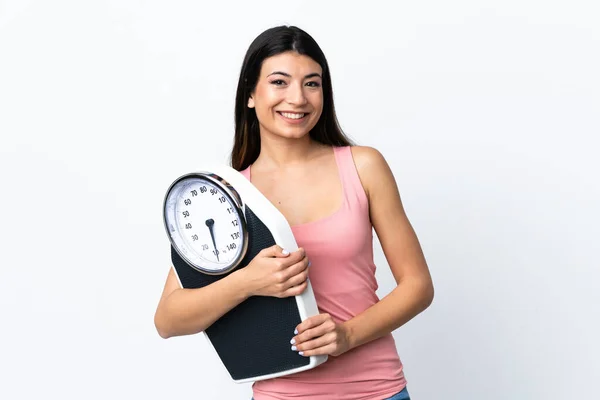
205,216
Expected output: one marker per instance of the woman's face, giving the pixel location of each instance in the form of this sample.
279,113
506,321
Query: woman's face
288,98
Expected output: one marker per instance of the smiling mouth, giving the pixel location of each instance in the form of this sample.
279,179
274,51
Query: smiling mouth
292,115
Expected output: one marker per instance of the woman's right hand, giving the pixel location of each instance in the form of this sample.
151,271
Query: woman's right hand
274,272
270,273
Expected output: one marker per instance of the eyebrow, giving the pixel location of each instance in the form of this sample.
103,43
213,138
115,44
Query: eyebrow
289,76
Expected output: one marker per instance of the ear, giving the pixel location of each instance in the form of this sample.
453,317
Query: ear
250,102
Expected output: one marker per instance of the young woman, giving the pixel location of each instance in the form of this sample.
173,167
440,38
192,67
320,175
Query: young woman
333,193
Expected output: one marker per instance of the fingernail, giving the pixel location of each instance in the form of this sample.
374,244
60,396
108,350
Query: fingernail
284,251
301,353
294,348
293,341
295,331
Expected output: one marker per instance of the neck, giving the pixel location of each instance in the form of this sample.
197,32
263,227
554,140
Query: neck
277,152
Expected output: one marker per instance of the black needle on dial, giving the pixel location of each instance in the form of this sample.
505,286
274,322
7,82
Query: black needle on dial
210,223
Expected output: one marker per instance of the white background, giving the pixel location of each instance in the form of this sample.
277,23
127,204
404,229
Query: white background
487,112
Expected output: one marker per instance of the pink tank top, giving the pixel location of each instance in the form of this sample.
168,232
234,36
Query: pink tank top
342,274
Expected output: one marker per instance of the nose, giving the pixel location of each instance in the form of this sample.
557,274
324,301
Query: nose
295,95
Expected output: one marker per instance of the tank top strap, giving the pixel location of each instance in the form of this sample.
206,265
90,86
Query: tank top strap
353,188
246,172
354,192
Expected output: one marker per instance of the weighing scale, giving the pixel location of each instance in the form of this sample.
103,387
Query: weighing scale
217,222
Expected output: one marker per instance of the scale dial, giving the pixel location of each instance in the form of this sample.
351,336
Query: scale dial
205,223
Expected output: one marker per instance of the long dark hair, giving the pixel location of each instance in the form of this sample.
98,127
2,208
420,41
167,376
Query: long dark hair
273,41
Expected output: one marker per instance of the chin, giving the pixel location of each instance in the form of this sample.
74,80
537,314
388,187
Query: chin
293,135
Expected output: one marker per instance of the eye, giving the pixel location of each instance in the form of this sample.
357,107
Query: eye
278,82
313,84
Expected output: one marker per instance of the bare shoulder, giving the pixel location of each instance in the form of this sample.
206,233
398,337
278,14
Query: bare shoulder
371,166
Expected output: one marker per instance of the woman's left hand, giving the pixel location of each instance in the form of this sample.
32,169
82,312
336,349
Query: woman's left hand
320,335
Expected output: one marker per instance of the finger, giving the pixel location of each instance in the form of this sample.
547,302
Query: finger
296,279
329,349
311,322
321,341
274,251
298,254
295,269
295,290
315,332
284,264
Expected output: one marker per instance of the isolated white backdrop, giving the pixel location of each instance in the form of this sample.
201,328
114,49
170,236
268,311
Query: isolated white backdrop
487,112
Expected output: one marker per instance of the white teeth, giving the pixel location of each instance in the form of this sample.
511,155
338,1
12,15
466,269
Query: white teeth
292,116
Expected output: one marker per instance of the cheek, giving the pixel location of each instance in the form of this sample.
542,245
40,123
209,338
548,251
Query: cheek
317,101
318,106
264,110
266,98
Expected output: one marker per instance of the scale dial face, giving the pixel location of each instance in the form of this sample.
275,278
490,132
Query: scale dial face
205,223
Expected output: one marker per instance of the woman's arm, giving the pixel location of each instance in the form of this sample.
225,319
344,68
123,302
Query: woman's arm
272,272
414,291
184,311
